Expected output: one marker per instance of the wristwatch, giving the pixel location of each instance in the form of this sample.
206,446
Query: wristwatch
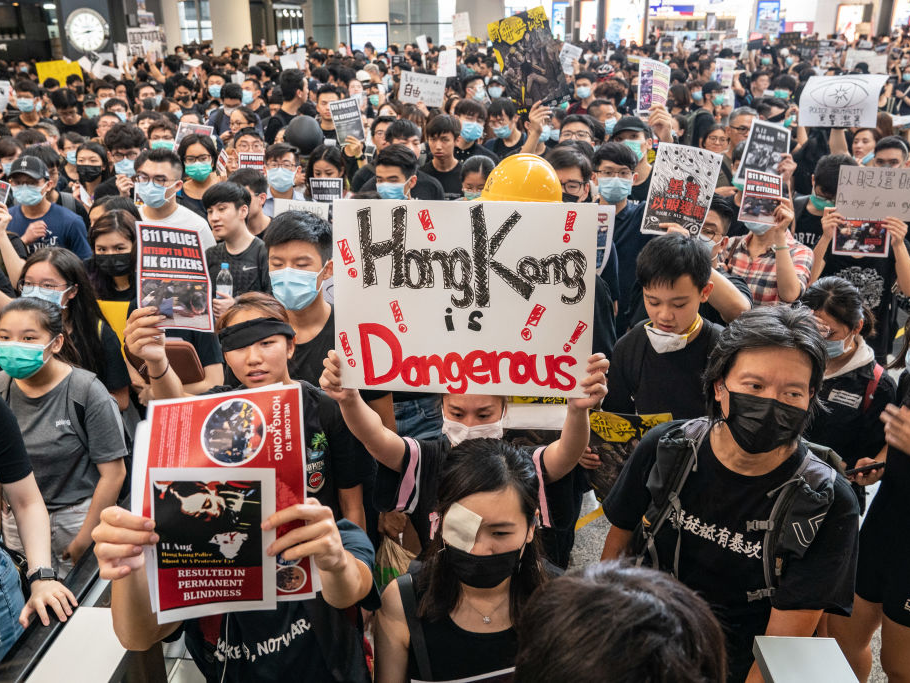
42,574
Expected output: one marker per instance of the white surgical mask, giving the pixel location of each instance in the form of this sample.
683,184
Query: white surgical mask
668,342
458,432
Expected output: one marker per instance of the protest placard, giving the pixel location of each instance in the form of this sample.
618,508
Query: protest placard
762,193
789,39
422,44
232,437
653,85
326,189
606,216
258,59
4,191
211,560
251,160
446,66
59,69
841,101
347,119
724,69
321,209
873,193
477,297
876,62
142,40
683,179
172,275
860,237
568,54
100,70
461,26
121,54
765,147
424,88
666,44
528,58
184,129
735,45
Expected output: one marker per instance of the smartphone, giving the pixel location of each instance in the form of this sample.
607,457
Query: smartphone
865,468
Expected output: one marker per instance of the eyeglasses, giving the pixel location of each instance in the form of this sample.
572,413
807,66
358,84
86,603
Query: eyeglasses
201,159
250,147
625,173
742,130
707,235
286,165
44,284
572,186
575,135
120,156
159,180
714,139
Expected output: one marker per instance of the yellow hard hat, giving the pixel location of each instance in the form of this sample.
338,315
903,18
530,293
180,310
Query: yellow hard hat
522,178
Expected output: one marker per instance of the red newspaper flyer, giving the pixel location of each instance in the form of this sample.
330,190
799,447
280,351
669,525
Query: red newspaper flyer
173,276
235,432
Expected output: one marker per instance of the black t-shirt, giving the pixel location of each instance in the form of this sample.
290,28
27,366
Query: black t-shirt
334,458
450,180
474,150
281,118
640,191
249,269
84,127
363,174
502,150
895,488
14,462
426,187
628,240
113,372
808,229
643,381
721,560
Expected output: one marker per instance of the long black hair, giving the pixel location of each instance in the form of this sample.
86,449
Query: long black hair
842,301
123,223
477,466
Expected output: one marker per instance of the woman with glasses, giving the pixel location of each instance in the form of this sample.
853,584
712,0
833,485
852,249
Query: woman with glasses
714,139
199,156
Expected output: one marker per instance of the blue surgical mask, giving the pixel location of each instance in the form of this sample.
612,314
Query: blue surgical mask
757,228
71,157
125,167
495,92
7,167
25,104
215,91
866,159
247,97
471,194
835,347
480,94
718,100
788,122
622,102
609,125
295,289
789,61
583,91
614,190
765,61
373,100
280,178
20,360
635,146
905,77
162,144
782,94
157,99
545,133
92,112
121,115
52,296
391,190
819,203
27,195
697,96
502,132
471,130
154,196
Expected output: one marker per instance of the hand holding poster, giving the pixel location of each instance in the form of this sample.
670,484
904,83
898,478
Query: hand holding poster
858,237
424,88
765,147
567,55
761,197
347,119
653,85
682,183
478,298
173,277
873,193
326,189
841,101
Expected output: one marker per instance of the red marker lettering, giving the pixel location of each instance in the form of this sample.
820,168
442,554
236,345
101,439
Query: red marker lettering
399,316
533,319
570,225
427,224
579,328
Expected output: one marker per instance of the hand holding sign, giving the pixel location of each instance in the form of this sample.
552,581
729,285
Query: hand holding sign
594,385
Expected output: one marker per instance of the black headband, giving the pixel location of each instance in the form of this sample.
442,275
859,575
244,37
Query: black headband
246,333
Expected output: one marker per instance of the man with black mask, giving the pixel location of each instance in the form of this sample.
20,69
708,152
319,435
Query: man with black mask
759,526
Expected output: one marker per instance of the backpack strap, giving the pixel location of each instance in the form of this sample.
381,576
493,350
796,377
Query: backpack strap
77,393
799,205
409,488
68,201
418,639
877,373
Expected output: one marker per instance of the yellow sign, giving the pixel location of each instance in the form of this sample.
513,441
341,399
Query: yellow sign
58,69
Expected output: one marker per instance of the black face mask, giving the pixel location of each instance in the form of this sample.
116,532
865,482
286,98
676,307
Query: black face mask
569,198
88,173
759,425
114,264
482,571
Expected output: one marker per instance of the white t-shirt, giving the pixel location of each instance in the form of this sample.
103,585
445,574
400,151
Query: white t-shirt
184,218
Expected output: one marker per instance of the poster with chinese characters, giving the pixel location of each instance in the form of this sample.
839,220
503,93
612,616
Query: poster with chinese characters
682,183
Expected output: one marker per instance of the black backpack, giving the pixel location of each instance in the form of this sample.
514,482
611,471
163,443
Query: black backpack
800,504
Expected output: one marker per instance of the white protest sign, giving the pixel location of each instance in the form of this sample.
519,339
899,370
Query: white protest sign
319,208
461,26
567,55
464,296
100,70
424,88
446,66
422,44
873,193
877,63
258,59
723,72
121,53
287,62
270,50
85,64
841,101
238,78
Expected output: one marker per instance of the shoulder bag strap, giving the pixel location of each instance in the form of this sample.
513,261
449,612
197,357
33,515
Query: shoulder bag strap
418,641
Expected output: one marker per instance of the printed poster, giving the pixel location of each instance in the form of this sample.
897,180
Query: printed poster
172,275
424,88
613,438
233,436
461,26
5,189
873,193
326,189
184,129
761,197
568,54
765,147
606,216
347,119
653,85
858,237
211,553
528,58
464,296
251,160
841,101
683,179
724,71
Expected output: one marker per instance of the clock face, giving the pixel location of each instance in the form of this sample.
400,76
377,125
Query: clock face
86,30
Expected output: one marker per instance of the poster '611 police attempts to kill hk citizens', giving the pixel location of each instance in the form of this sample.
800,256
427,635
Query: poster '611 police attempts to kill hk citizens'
209,469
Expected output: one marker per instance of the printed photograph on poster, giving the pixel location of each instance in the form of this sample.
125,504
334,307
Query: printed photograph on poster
347,119
873,193
857,237
528,58
211,554
683,179
606,215
184,129
761,197
251,160
765,147
724,70
234,436
841,101
172,276
326,189
653,85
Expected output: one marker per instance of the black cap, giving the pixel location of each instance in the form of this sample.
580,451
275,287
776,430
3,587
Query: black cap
631,123
30,166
